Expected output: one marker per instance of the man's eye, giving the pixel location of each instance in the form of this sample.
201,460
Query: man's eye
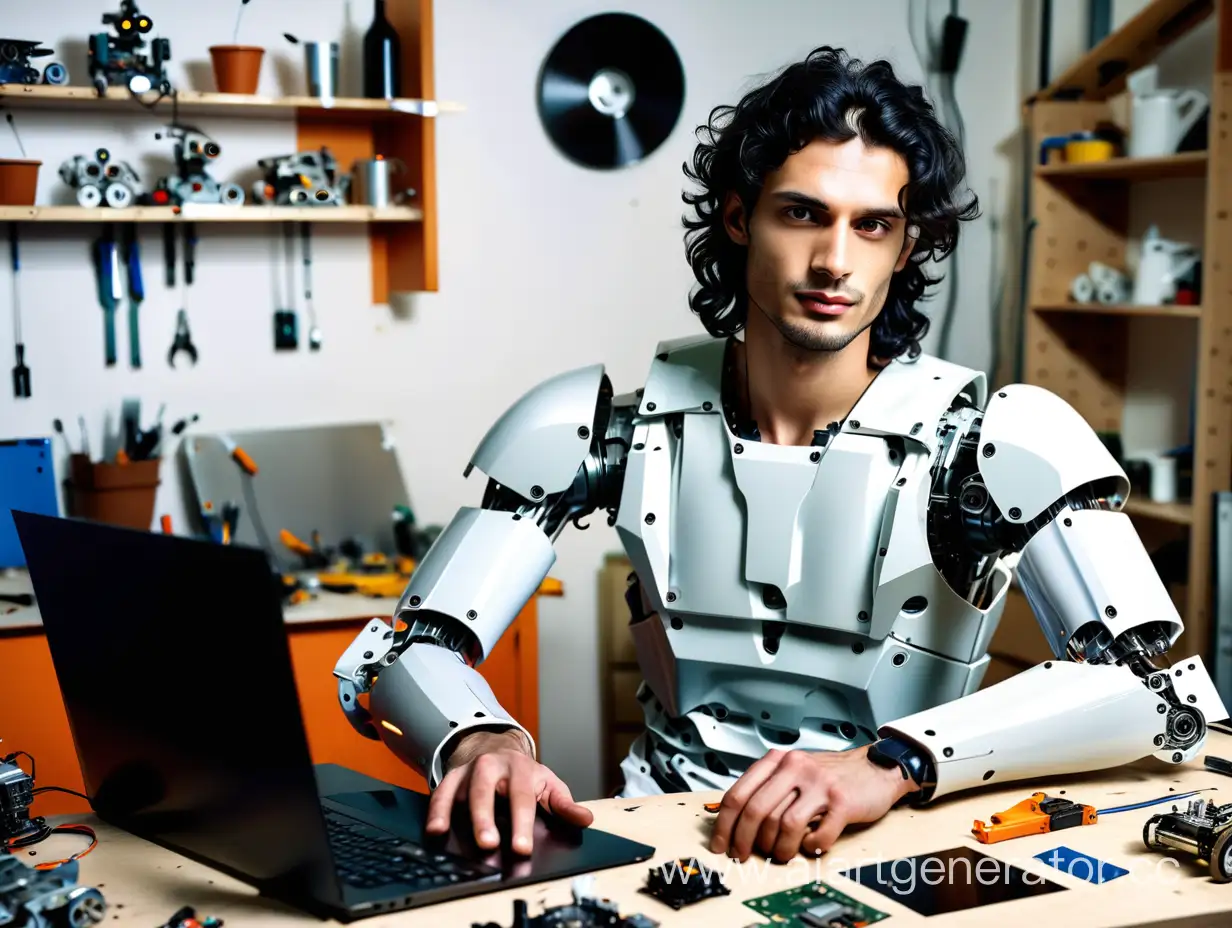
802,213
875,225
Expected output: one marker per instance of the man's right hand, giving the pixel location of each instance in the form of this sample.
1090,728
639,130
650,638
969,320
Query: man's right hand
486,764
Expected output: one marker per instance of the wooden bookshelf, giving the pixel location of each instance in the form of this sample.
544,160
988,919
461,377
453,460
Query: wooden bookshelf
403,239
1080,351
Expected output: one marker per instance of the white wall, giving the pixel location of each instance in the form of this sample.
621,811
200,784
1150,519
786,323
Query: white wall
544,265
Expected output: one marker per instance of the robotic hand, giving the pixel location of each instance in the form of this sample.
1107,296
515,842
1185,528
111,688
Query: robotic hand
1042,476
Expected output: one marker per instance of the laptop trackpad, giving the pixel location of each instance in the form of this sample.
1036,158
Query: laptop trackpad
560,849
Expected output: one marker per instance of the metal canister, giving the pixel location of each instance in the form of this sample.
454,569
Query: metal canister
373,184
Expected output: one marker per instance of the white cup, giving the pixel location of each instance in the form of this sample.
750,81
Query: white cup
1163,479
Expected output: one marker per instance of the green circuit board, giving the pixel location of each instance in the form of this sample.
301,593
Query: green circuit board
813,905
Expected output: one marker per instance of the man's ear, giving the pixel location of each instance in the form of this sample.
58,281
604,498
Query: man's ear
909,242
734,219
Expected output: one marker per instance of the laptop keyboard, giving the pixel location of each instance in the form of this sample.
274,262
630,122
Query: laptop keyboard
368,857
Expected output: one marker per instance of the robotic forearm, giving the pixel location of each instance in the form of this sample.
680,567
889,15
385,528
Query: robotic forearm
1108,618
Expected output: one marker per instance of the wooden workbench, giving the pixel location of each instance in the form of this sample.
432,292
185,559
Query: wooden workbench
32,716
145,884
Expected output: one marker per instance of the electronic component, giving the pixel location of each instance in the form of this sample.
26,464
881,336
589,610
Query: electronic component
15,66
191,183
683,882
118,60
39,898
585,911
1203,830
100,181
16,795
1036,815
814,905
308,178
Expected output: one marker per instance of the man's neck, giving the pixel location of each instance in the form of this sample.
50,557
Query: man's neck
791,392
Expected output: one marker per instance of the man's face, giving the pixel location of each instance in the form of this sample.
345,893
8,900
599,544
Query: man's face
824,239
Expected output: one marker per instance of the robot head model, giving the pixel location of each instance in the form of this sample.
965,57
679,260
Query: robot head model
117,60
309,178
32,898
15,66
191,183
101,181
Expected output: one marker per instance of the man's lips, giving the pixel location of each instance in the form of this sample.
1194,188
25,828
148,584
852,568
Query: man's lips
817,301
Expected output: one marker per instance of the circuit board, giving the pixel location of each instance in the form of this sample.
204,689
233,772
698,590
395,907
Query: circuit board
814,905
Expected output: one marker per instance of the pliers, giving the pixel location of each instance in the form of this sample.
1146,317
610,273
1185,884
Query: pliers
183,339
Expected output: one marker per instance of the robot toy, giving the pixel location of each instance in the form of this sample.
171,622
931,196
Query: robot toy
117,60
308,178
817,597
101,181
1203,830
191,183
15,66
31,898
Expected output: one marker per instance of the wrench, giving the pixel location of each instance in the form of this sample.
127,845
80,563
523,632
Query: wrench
183,339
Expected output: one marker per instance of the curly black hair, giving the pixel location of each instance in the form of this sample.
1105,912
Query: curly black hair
810,100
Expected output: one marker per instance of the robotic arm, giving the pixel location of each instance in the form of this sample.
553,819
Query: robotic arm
555,456
1037,479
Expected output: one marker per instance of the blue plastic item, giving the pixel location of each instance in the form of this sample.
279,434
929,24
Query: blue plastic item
1080,865
28,484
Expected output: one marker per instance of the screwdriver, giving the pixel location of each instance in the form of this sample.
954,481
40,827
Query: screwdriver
247,464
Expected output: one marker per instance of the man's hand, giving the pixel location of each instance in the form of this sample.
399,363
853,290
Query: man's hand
485,764
773,806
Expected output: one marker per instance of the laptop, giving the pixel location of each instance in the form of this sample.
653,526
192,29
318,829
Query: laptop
174,664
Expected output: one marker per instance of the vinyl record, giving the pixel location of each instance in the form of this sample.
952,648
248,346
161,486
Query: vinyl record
611,90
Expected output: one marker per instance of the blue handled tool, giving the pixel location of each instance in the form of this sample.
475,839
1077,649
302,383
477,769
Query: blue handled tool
104,260
136,294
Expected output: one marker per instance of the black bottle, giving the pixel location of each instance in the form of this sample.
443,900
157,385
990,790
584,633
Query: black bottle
382,58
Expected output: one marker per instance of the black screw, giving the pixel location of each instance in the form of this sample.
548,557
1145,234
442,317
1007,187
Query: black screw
900,659
707,405
916,428
472,614
881,552
988,775
536,491
1110,612
677,623
1015,512
929,732
858,648
1176,758
900,481
367,655
1047,664
415,601
650,407
583,432
1069,522
862,617
671,597
855,423
766,716
478,715
639,446
815,456
1161,708
453,724
948,752
990,450
739,449
1002,395
650,518
1159,740
1192,698
374,628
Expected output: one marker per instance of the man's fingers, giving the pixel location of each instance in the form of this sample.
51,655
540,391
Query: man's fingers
487,770
794,823
768,834
559,801
764,802
440,806
522,804
832,825
736,797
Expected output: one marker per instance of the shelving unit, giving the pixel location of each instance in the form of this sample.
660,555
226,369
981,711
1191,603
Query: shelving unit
403,239
1082,214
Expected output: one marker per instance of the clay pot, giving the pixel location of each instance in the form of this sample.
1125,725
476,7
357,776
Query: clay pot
237,68
18,181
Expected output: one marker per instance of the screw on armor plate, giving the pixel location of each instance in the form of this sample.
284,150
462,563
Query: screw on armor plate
414,601
1002,395
671,597
1161,708
1176,758
863,616
739,449
1159,741
857,648
1068,522
707,406
916,428
1015,512
374,628
677,623
815,456
1192,698
855,423
583,432
650,518
536,491
472,614
638,447
900,481
367,655
650,407
989,450
881,552
948,752
1110,612
899,659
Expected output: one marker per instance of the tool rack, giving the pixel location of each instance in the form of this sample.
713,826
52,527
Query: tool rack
403,239
1081,213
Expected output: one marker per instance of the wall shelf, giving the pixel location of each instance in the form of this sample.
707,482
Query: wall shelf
1185,164
200,212
230,104
1179,513
1121,309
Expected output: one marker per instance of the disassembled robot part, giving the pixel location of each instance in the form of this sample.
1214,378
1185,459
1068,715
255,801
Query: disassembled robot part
15,66
16,795
116,60
308,178
1203,829
586,911
31,898
684,882
814,905
1036,815
100,181
191,183
186,917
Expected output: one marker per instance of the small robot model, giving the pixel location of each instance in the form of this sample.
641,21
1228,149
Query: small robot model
309,178
191,183
1203,829
117,60
101,181
32,898
15,66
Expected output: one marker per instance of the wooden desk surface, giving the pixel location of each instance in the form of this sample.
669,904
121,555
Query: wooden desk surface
145,884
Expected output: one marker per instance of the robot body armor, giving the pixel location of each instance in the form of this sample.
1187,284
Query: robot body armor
805,597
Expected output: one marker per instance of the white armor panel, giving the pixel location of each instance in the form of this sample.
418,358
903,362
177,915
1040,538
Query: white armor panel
1035,448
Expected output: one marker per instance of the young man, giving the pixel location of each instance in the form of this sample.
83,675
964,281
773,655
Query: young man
818,516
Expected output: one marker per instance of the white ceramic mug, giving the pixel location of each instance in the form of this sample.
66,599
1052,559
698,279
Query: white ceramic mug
1161,119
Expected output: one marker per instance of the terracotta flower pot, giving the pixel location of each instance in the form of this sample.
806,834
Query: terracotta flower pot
18,181
237,68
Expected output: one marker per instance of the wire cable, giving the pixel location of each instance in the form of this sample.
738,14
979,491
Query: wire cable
1153,802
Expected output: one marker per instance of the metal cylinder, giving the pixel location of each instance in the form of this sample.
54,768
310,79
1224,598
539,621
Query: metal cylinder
372,181
321,68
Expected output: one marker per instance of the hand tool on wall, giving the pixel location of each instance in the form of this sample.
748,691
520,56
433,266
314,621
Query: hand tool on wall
108,287
286,325
169,259
183,335
314,332
21,373
136,293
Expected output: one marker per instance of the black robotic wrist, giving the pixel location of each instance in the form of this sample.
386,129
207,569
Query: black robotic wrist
915,763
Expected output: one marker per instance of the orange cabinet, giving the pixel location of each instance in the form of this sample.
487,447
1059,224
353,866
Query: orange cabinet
33,719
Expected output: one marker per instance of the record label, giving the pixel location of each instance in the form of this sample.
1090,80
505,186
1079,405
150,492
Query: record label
611,90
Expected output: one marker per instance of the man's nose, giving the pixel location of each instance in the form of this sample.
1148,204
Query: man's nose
833,254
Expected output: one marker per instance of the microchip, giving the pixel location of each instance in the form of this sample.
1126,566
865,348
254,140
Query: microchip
823,915
684,882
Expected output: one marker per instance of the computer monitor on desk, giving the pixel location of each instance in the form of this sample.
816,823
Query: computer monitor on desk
174,664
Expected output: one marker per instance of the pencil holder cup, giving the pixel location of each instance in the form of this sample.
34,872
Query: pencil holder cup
118,494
